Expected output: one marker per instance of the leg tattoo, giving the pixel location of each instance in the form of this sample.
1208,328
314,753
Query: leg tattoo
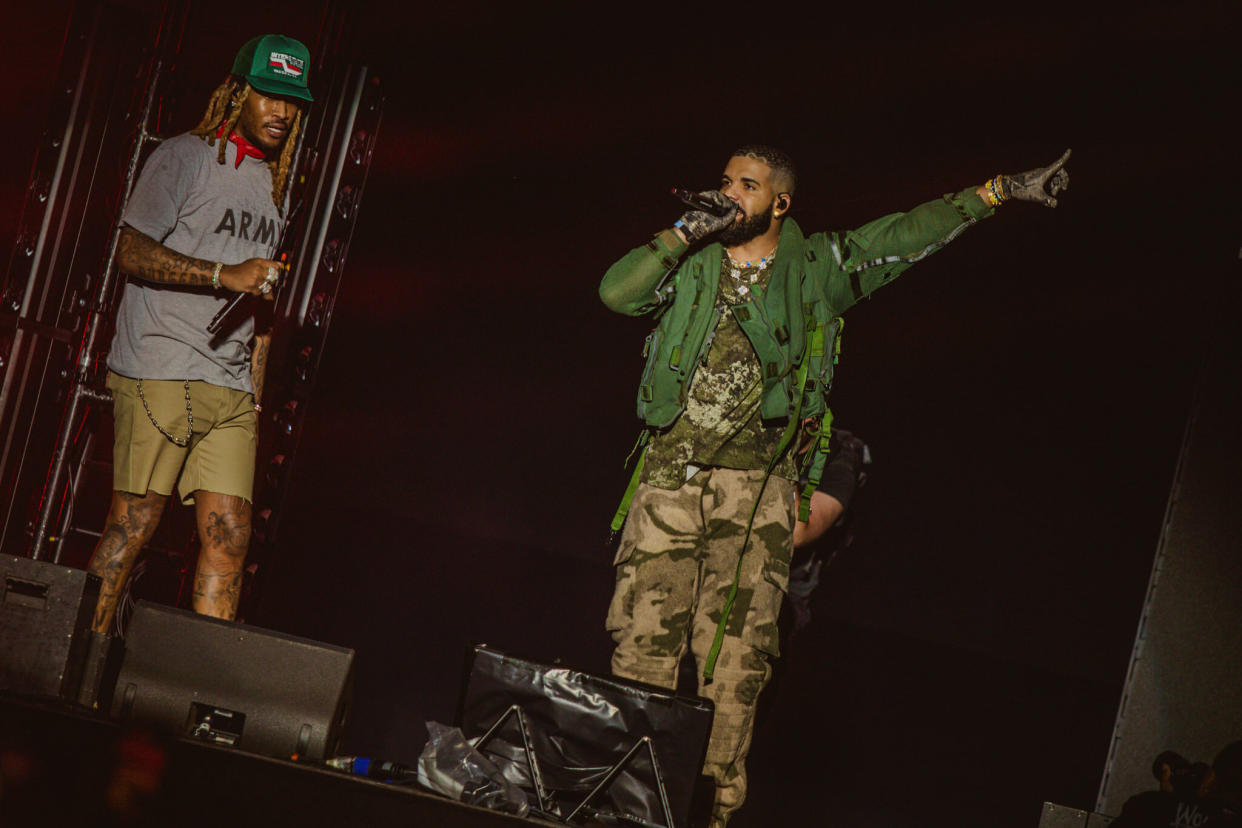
131,522
224,535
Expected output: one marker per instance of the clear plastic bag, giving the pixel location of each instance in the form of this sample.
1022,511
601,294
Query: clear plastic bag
450,765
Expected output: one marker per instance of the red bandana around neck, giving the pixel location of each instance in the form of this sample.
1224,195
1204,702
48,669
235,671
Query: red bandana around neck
244,147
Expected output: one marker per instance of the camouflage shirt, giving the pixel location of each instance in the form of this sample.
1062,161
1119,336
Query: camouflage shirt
721,425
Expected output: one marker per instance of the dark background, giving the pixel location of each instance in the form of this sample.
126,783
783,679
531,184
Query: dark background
1024,392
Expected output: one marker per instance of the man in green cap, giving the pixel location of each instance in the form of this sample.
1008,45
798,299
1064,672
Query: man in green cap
202,224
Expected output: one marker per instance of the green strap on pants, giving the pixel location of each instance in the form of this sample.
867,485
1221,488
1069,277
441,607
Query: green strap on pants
819,459
618,520
791,430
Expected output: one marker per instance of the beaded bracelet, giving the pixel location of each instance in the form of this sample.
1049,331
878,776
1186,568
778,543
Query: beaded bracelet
215,275
994,193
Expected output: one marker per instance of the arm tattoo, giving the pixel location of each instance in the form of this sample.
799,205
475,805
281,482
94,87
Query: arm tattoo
140,255
258,364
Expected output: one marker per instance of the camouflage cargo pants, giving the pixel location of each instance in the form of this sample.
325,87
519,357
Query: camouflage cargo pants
675,565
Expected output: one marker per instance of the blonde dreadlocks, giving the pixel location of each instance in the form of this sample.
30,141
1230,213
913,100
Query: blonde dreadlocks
224,109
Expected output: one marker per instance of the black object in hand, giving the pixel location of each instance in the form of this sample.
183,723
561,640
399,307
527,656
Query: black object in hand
699,203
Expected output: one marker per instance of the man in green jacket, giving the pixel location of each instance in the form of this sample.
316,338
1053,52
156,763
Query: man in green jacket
734,389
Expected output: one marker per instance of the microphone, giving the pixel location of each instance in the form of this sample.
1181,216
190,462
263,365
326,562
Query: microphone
373,768
699,203
214,325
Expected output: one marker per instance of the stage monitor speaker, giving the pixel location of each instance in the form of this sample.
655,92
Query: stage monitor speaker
45,618
231,684
1063,816
585,745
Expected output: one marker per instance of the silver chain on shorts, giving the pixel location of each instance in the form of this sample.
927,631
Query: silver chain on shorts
189,417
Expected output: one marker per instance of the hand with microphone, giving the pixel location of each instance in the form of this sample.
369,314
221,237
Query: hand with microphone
254,276
713,212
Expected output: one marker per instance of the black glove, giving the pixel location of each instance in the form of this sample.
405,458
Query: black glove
1037,185
697,225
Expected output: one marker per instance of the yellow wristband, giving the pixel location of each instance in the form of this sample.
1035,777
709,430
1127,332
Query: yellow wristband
994,194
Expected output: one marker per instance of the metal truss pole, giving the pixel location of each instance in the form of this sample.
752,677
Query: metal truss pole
47,287
82,392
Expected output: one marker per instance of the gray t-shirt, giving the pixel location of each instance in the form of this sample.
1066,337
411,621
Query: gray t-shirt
189,203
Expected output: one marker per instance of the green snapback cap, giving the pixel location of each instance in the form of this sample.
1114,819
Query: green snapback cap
275,65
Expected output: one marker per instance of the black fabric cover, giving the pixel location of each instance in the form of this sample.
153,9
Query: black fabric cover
579,726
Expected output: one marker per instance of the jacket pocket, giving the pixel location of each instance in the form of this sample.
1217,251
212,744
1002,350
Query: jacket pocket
651,352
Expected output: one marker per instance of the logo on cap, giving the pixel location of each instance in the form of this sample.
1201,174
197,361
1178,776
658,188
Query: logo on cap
285,64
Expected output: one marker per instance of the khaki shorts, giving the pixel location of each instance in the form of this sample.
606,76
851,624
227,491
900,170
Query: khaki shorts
219,458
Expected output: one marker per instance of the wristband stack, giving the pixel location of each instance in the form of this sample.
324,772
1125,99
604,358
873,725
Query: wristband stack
996,195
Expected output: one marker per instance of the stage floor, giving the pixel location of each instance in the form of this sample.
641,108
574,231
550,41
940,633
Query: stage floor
59,767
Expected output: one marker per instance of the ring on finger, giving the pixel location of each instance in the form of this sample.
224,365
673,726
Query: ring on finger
271,274
265,288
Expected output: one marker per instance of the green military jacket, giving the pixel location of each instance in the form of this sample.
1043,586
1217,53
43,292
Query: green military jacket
813,282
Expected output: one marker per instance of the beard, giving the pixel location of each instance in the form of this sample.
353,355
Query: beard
259,140
750,227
